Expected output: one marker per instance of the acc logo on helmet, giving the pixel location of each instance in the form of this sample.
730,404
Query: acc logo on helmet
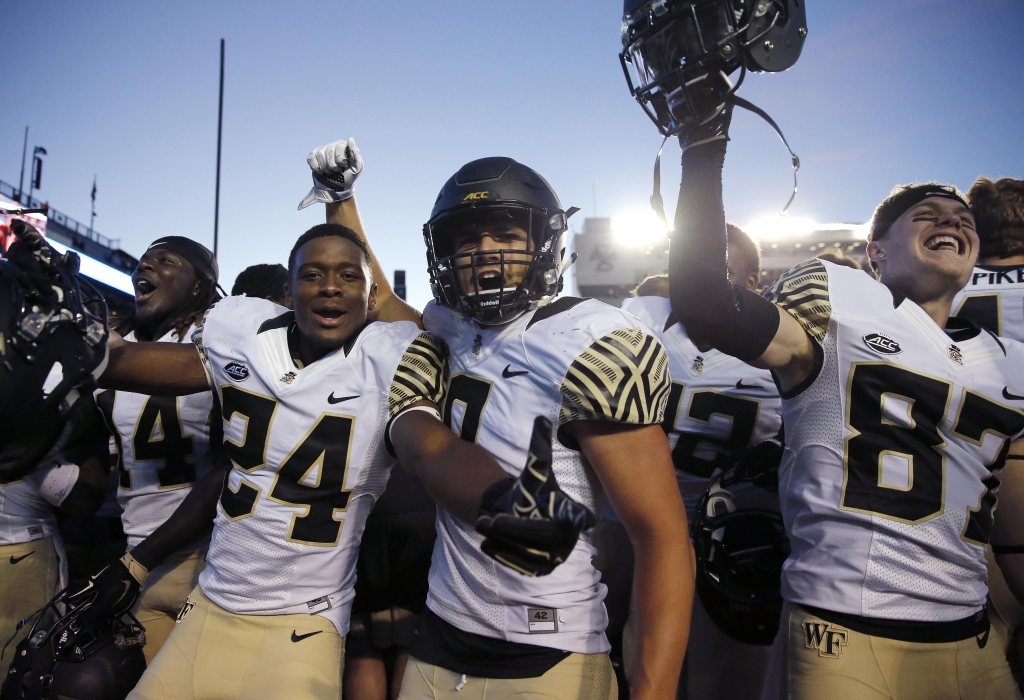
476,195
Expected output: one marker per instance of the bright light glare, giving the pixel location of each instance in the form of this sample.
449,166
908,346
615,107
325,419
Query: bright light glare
638,227
775,227
101,272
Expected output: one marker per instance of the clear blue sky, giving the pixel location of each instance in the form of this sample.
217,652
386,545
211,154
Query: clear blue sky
885,92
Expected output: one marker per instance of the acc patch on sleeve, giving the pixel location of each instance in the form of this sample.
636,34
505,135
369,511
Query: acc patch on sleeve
420,375
622,377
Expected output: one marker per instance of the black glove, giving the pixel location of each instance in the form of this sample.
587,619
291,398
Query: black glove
30,254
111,592
529,523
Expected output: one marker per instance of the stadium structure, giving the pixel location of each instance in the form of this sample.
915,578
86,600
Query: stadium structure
614,257
102,259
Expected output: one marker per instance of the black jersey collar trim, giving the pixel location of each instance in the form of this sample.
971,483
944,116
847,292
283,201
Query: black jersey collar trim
960,329
556,307
283,321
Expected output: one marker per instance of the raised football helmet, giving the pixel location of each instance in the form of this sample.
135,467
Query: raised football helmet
683,51
741,544
72,655
497,191
53,332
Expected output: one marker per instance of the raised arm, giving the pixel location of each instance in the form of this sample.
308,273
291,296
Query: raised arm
336,166
731,319
161,369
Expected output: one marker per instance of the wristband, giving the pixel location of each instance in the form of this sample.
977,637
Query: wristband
137,570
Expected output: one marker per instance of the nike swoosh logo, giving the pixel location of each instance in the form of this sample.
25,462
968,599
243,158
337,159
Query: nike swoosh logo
1011,397
741,385
332,399
15,560
300,637
508,375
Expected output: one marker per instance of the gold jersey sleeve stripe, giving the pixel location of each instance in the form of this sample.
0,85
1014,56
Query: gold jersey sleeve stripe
623,377
803,292
420,375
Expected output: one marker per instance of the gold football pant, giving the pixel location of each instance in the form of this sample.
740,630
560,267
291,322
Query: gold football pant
30,575
164,595
213,654
813,659
577,677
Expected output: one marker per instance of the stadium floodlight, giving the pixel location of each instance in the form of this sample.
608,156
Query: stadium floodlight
775,227
638,227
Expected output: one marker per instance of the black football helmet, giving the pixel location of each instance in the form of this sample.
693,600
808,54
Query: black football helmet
497,190
72,656
741,544
53,325
683,51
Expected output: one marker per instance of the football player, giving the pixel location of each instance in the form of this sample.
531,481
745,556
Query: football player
898,423
307,396
719,407
994,295
163,442
263,282
496,253
994,299
33,566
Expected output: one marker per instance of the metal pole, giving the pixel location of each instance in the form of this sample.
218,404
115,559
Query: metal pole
92,217
24,152
220,122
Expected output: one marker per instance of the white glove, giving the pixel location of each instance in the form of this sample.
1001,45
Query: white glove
335,169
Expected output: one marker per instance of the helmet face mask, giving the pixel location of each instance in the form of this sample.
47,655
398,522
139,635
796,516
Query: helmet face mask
740,543
513,205
683,51
71,655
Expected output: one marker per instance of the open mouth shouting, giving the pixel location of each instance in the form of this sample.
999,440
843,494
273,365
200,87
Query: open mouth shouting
328,315
489,280
144,289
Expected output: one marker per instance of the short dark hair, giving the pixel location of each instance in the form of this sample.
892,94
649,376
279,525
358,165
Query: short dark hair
261,281
653,286
325,230
999,215
839,259
747,246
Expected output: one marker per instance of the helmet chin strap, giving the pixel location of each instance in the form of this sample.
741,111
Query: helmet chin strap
658,204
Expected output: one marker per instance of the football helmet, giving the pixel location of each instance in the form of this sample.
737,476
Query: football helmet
497,191
75,656
53,332
682,52
741,544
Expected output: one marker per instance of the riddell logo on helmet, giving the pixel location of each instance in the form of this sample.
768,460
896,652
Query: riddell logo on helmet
472,196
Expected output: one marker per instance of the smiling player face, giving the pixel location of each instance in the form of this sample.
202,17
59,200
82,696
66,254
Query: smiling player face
929,250
331,292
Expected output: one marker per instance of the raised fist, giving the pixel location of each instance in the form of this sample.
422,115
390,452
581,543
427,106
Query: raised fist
335,169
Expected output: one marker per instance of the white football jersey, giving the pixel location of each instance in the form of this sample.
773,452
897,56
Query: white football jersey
893,451
26,505
163,445
307,447
719,406
571,360
994,299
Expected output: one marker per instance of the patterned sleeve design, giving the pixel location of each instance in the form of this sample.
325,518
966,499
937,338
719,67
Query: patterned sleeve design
803,292
197,340
623,377
421,374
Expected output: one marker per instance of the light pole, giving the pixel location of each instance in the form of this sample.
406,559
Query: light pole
24,152
35,180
